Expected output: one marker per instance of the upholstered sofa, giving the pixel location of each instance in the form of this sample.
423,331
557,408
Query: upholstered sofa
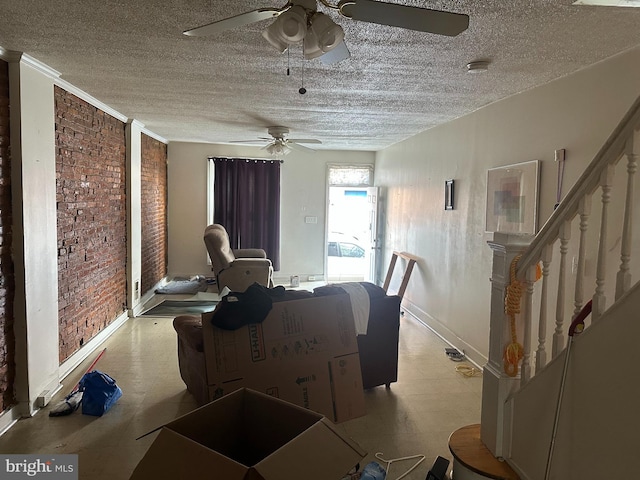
378,349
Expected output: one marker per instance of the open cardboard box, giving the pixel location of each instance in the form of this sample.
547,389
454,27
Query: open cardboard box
305,351
250,436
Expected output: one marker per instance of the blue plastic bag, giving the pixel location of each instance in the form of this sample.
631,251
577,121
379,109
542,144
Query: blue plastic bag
373,471
99,393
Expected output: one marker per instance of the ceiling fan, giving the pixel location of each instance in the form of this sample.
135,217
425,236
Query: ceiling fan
299,21
279,144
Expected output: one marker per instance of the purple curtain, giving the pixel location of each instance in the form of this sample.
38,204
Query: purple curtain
246,197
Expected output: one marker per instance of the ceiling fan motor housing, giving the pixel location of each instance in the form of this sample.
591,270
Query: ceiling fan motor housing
278,131
307,4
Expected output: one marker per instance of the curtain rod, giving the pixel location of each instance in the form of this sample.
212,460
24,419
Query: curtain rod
264,160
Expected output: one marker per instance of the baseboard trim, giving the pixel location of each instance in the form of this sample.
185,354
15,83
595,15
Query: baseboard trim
138,309
442,331
8,418
70,364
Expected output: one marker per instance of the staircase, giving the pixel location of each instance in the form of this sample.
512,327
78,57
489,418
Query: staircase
589,249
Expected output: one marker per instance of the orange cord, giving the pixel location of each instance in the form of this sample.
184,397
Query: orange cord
514,352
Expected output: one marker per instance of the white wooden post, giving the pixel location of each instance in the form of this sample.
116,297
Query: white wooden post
541,350
599,298
527,315
623,279
496,384
584,210
558,335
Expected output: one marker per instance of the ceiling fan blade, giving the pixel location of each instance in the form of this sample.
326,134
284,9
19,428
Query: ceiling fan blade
404,16
341,52
304,140
233,22
248,141
300,148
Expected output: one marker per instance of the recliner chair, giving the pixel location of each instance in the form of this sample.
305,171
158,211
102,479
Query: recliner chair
236,269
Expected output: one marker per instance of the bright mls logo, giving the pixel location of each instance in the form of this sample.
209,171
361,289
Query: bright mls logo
52,467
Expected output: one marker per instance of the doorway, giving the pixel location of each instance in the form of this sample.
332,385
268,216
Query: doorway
351,234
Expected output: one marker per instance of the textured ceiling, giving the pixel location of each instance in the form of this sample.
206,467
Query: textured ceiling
132,56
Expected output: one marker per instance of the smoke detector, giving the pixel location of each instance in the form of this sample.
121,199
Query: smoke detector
478,66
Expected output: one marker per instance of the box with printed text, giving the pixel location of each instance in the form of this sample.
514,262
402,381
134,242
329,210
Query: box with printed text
304,351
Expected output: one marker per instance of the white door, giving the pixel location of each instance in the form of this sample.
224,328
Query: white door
352,237
374,241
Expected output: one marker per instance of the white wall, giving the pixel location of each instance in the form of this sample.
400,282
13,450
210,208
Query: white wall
449,288
303,193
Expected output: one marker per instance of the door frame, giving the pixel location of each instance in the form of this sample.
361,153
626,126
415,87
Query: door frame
371,168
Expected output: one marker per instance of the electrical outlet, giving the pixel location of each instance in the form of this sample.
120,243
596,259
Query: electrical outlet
311,278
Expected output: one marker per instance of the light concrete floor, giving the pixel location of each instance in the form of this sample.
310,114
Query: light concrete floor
415,416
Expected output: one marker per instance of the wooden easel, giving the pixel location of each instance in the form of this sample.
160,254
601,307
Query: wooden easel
411,261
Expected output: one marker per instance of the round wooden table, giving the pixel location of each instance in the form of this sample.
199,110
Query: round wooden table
472,460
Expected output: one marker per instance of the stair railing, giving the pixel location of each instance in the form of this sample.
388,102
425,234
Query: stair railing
576,207
549,304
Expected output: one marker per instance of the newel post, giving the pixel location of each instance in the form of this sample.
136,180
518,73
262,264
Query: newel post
496,384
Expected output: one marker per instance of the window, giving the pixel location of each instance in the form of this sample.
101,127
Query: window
351,250
350,175
245,199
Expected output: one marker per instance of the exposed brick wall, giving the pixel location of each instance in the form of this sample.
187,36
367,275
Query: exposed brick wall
7,284
91,214
154,213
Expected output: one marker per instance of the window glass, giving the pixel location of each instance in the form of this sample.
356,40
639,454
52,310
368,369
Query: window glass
351,250
333,249
345,175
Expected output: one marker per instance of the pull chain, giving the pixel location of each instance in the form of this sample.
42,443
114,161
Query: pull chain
302,90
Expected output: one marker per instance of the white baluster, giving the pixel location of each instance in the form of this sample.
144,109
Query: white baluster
527,309
599,298
623,280
541,352
558,334
584,210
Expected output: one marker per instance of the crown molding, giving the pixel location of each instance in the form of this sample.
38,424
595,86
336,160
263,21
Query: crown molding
12,56
55,76
155,136
39,66
138,124
90,99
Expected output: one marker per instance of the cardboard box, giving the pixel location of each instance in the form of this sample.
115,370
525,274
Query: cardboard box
253,436
305,352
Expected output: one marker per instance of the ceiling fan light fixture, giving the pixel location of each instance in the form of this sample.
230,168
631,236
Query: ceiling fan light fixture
272,36
278,148
323,34
289,28
311,47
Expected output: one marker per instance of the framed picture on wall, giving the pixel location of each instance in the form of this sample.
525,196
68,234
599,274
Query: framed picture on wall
512,198
448,194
